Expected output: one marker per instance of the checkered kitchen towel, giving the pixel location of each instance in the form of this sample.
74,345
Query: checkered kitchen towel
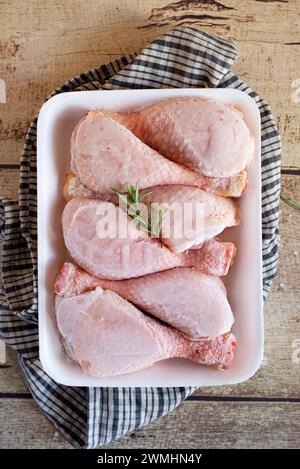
89,418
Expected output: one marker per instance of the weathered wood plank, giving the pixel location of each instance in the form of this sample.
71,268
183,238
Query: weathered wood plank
192,425
221,425
106,30
9,183
11,379
24,426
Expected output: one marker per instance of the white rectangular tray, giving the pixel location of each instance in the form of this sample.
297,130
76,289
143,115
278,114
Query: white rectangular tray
56,121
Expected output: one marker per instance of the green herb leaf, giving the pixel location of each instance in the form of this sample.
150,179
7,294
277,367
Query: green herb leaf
289,201
137,190
159,218
132,199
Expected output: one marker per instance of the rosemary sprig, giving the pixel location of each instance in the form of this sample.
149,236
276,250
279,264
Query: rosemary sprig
131,205
158,220
289,201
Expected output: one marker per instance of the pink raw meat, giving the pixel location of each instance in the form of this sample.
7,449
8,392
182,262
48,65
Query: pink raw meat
194,303
114,257
218,212
105,154
181,228
107,336
208,136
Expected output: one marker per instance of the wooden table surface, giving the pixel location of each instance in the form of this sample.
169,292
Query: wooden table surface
42,44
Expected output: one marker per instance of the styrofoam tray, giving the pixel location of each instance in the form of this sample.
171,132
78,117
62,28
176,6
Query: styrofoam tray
56,121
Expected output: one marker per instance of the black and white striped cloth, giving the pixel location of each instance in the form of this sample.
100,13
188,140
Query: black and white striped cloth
90,418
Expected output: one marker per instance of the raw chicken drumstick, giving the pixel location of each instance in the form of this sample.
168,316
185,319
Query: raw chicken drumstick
113,247
208,136
217,213
105,154
108,336
192,302
214,215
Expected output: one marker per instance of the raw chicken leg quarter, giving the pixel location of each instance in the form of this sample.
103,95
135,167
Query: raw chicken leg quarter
105,154
116,257
193,215
207,136
192,302
197,215
108,336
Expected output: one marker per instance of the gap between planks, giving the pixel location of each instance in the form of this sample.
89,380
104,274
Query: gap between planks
11,395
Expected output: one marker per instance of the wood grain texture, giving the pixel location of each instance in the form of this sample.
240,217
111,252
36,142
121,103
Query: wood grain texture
11,378
43,45
192,425
221,425
9,183
30,430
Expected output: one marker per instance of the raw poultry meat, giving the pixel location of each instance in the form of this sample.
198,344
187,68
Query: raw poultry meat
108,336
192,217
106,155
208,136
74,188
106,243
142,299
193,303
